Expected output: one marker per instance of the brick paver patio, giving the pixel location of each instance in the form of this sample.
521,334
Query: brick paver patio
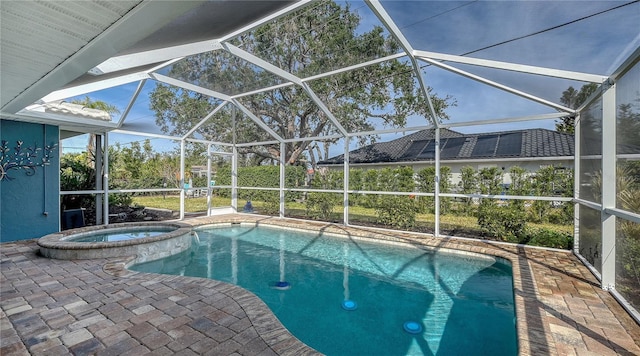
82,307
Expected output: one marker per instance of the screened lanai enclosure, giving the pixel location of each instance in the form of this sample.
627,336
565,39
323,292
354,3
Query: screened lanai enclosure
356,113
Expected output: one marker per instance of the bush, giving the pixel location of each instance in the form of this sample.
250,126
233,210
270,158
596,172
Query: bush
370,182
628,243
321,205
262,176
396,211
120,199
562,215
271,201
356,176
501,222
468,185
426,184
548,238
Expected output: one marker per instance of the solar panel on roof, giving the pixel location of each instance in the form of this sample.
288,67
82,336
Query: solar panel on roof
414,149
510,144
485,146
451,148
428,152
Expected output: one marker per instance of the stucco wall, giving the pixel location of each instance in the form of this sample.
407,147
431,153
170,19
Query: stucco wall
29,205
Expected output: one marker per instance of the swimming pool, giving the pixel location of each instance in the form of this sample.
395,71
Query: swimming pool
351,296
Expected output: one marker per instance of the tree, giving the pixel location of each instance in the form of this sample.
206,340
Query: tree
322,37
572,99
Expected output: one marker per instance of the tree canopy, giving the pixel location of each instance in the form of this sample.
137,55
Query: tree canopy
323,37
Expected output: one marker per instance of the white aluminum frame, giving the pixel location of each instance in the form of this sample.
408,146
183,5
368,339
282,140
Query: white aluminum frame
120,64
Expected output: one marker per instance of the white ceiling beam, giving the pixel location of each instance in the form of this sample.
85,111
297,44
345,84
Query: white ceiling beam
285,11
133,60
131,102
207,142
633,58
94,86
189,86
146,134
164,64
324,109
382,14
498,85
388,22
504,120
100,83
287,76
258,91
396,130
315,138
256,119
213,112
128,61
144,19
167,137
355,66
261,143
549,72
261,63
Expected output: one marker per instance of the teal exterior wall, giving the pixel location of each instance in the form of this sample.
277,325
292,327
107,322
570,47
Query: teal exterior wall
29,205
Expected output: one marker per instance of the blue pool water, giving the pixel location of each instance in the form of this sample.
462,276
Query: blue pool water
351,297
120,235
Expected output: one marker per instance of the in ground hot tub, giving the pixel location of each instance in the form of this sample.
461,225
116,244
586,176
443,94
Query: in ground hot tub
145,241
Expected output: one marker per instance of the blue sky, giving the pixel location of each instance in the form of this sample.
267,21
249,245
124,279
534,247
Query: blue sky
595,45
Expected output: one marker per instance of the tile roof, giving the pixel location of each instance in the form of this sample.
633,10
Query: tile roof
420,146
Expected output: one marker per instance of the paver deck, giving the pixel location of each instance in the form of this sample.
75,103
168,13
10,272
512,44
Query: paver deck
82,307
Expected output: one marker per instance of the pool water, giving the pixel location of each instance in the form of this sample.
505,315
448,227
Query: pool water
120,235
351,297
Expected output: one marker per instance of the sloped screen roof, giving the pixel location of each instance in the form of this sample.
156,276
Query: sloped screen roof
480,61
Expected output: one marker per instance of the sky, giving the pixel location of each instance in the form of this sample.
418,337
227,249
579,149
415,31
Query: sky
568,35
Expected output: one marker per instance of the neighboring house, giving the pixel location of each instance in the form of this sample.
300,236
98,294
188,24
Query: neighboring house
530,149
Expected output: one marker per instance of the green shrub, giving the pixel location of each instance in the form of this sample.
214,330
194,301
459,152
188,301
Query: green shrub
468,185
396,211
262,176
548,238
356,176
628,243
321,205
120,199
501,222
426,184
370,182
271,201
562,215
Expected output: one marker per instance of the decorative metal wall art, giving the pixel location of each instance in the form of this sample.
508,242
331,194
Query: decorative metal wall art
23,158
